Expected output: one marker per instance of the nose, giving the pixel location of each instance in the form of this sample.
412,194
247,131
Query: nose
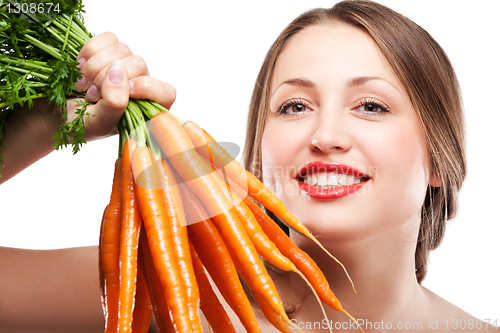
330,135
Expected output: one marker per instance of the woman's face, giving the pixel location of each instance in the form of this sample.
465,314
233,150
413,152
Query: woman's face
342,147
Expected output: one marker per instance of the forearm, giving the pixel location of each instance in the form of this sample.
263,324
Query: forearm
28,137
50,291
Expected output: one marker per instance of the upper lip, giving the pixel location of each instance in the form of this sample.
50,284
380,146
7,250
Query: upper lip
325,166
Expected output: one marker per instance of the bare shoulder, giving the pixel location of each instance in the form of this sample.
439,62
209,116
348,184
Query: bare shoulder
447,317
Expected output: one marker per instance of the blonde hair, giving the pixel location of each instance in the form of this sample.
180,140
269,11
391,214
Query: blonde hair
425,72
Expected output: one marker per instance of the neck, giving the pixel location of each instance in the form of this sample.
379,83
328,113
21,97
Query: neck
381,266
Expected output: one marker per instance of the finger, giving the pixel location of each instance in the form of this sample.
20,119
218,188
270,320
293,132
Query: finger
146,87
96,44
100,61
136,66
91,47
114,100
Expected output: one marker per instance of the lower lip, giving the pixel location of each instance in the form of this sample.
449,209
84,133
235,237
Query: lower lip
330,193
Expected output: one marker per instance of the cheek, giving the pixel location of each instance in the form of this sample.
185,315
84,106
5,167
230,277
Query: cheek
402,171
272,161
279,150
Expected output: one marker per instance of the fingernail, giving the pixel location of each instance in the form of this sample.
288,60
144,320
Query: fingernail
131,84
115,72
80,83
91,94
81,61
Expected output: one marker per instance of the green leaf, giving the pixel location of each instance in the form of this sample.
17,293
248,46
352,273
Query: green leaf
62,81
74,132
28,69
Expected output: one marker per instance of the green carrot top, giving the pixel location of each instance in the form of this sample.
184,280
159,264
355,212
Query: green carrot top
40,41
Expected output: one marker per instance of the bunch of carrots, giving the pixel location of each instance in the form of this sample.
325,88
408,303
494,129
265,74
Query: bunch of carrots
180,208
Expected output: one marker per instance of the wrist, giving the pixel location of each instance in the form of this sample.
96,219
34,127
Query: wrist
42,121
28,137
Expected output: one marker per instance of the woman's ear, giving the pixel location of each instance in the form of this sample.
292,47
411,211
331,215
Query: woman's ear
435,180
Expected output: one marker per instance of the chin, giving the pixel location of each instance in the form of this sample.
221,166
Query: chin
330,224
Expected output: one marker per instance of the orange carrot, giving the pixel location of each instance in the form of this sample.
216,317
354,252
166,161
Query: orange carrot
208,187
102,279
271,316
175,214
274,256
201,139
110,250
214,255
143,309
159,237
129,240
263,245
210,305
296,255
275,319
301,259
156,290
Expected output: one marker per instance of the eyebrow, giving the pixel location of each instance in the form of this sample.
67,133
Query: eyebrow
299,82
359,81
354,82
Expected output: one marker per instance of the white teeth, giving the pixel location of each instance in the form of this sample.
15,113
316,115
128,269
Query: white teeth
343,180
328,180
333,180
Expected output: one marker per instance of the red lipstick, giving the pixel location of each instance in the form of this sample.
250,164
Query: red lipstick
334,192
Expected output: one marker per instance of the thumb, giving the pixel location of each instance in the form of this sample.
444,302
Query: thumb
114,96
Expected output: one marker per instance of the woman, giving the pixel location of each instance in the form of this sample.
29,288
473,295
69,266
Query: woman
356,124
364,239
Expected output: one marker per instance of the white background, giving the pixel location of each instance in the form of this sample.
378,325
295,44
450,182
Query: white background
211,51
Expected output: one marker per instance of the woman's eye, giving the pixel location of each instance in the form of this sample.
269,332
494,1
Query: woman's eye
297,108
293,107
371,107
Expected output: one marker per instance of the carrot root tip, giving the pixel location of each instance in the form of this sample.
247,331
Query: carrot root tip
354,320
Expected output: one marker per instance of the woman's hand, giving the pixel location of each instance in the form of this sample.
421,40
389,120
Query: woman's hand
111,75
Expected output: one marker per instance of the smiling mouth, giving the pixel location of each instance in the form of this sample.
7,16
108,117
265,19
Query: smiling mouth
328,180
